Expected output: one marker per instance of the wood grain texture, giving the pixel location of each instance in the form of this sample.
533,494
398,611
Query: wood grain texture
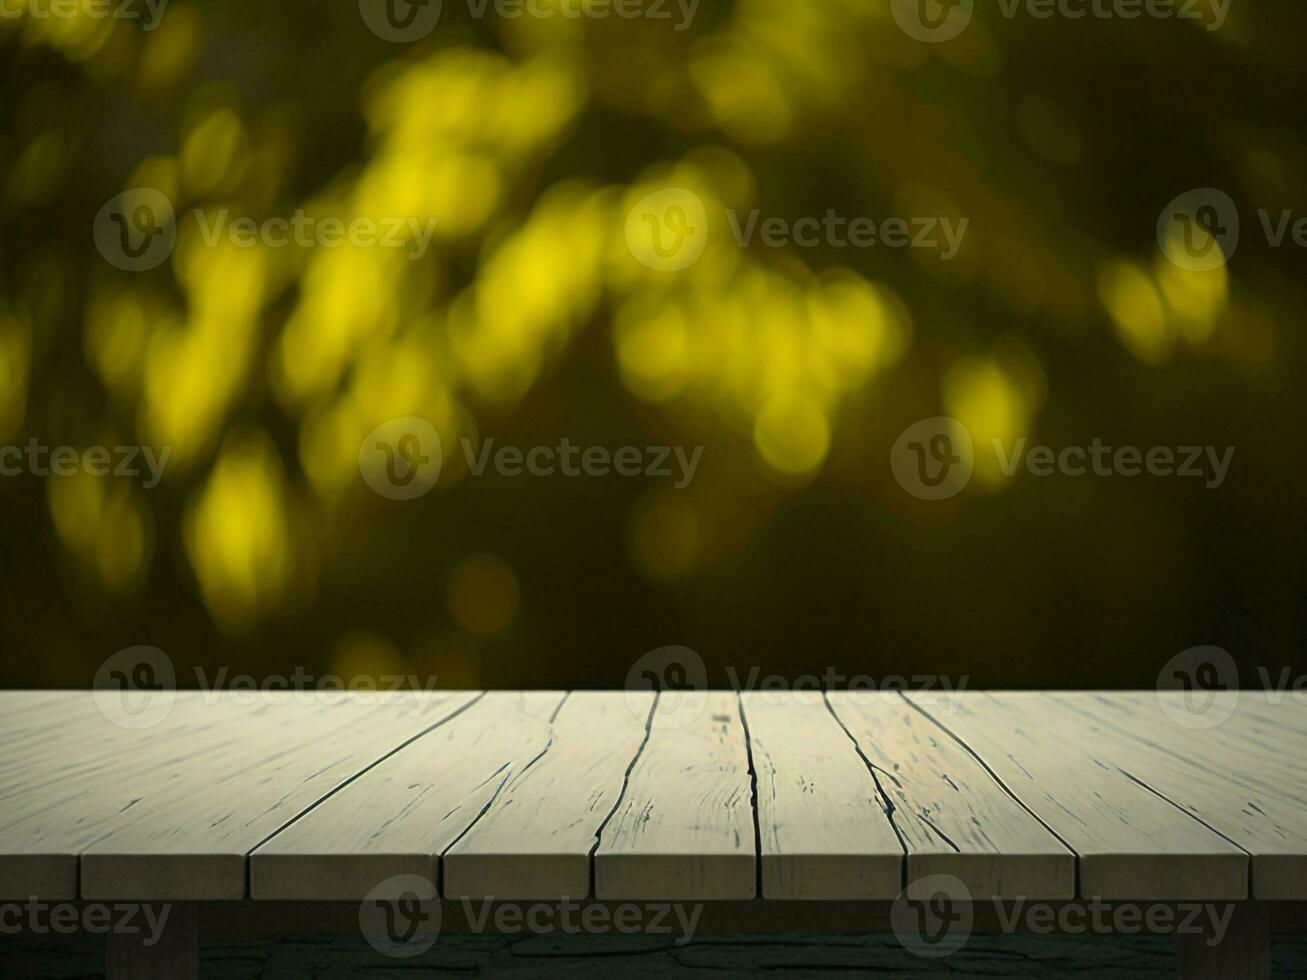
1282,711
1246,778
403,814
170,812
684,828
822,824
531,796
953,816
536,839
192,837
1131,843
69,771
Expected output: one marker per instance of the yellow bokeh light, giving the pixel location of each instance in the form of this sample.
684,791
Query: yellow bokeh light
213,150
1133,302
994,397
238,535
792,434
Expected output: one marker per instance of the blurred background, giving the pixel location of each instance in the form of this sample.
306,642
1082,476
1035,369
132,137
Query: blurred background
528,321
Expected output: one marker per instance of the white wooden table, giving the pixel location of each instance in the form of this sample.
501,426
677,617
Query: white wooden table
709,796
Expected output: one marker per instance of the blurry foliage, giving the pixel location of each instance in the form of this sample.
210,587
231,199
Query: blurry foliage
528,140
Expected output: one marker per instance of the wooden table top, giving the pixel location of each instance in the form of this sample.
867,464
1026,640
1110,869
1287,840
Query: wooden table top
631,796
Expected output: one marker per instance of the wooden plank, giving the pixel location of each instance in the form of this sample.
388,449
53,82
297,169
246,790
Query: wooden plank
192,840
1132,845
1246,778
403,814
822,824
684,829
43,726
1287,710
68,771
953,816
28,710
170,812
536,839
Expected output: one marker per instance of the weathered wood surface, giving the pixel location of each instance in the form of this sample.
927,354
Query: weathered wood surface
536,838
1246,778
1130,842
684,829
68,771
400,816
953,816
823,827
194,840
171,812
695,796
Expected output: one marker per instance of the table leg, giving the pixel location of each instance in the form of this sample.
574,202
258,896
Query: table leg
172,955
1242,953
